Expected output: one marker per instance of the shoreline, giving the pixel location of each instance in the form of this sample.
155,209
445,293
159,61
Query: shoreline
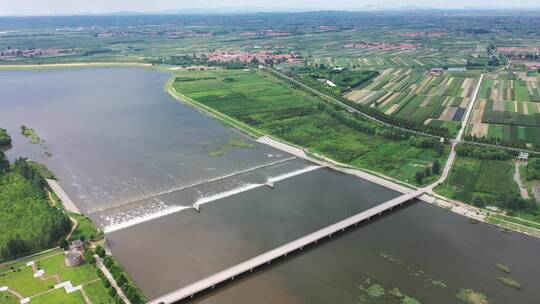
105,64
471,212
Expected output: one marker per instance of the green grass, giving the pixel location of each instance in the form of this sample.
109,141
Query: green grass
97,293
266,103
59,296
77,275
85,228
8,298
23,282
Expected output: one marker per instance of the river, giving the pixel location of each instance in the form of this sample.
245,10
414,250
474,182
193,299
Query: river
134,159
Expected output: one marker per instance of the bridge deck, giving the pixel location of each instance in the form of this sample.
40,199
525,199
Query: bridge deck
267,257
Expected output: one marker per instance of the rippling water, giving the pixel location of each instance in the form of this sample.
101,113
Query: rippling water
117,138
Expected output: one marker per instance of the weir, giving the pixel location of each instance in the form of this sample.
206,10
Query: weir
167,210
230,273
198,183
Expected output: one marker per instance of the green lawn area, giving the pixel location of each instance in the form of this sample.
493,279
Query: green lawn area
97,293
59,296
84,228
23,282
266,103
77,275
8,298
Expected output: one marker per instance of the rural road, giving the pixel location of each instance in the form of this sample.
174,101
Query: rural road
457,140
344,105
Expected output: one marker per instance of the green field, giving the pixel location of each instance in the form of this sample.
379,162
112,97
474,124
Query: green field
416,95
480,181
508,108
274,107
19,278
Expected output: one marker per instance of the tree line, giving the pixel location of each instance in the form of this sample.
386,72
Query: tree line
489,153
381,116
31,223
132,293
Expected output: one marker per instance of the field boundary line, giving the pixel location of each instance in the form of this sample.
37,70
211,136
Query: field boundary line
346,106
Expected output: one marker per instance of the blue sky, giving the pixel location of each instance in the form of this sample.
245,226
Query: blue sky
48,7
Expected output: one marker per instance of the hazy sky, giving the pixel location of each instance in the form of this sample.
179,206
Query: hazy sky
47,7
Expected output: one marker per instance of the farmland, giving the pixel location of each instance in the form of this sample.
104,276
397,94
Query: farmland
273,107
438,100
472,179
508,108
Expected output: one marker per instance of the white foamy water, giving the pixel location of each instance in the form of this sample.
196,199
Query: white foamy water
160,209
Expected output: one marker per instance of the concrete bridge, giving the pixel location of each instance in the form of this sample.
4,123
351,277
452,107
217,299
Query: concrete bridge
208,283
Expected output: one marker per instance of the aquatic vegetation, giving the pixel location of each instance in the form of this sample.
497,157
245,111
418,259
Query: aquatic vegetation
233,142
392,258
409,300
219,152
396,293
5,139
32,134
405,299
510,282
376,291
502,267
438,283
237,142
471,296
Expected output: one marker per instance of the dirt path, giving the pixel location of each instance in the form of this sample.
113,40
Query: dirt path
517,178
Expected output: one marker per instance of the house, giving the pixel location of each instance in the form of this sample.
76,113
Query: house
523,156
436,71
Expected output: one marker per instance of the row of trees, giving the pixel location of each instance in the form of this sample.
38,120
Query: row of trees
131,292
193,60
472,151
511,202
500,142
381,116
367,127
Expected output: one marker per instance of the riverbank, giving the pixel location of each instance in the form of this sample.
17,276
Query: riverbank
73,65
471,212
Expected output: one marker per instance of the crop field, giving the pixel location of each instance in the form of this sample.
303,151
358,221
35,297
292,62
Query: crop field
470,178
509,107
274,107
416,95
21,283
390,59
